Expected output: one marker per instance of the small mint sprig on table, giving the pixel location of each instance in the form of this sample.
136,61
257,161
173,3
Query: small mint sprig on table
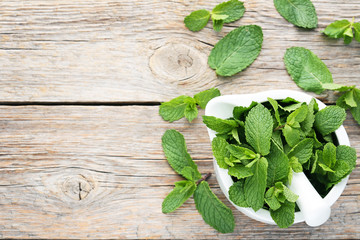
311,74
225,12
185,106
214,212
344,29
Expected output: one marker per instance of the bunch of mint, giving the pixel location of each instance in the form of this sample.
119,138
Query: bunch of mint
225,12
185,106
311,74
261,146
214,212
344,29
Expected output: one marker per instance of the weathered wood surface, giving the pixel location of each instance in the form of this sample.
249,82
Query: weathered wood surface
114,155
126,51
92,171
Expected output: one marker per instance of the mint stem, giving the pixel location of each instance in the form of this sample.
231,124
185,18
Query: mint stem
279,127
204,178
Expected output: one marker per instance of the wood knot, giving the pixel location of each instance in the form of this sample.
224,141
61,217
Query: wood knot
78,187
176,62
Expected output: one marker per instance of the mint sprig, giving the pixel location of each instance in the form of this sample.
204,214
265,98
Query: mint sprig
225,12
185,106
214,212
344,29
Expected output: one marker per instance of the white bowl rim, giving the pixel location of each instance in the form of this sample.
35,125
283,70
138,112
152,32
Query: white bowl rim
228,102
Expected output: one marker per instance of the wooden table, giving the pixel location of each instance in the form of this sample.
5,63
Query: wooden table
80,87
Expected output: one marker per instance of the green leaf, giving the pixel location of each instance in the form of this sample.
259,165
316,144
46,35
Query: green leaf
233,9
191,110
271,199
236,51
329,119
355,111
258,129
349,99
197,20
292,107
326,168
298,115
213,211
217,25
275,106
241,153
174,109
348,36
240,112
357,31
306,69
295,165
278,165
337,29
329,155
219,125
237,194
292,135
255,185
182,191
240,171
337,87
219,148
189,173
346,154
289,195
302,151
341,170
307,124
301,13
202,98
174,148
317,156
285,215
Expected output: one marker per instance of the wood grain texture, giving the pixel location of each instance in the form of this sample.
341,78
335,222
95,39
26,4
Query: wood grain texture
126,51
99,172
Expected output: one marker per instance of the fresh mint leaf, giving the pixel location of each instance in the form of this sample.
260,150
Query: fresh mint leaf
278,165
191,110
357,31
329,155
346,154
233,10
337,87
182,191
292,107
236,51
241,153
337,29
202,98
237,194
197,20
240,171
301,13
329,119
302,151
219,148
307,124
275,106
174,109
255,185
175,150
285,215
271,199
355,111
219,125
292,135
189,173
241,112
217,24
306,69
295,165
258,129
297,116
213,211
